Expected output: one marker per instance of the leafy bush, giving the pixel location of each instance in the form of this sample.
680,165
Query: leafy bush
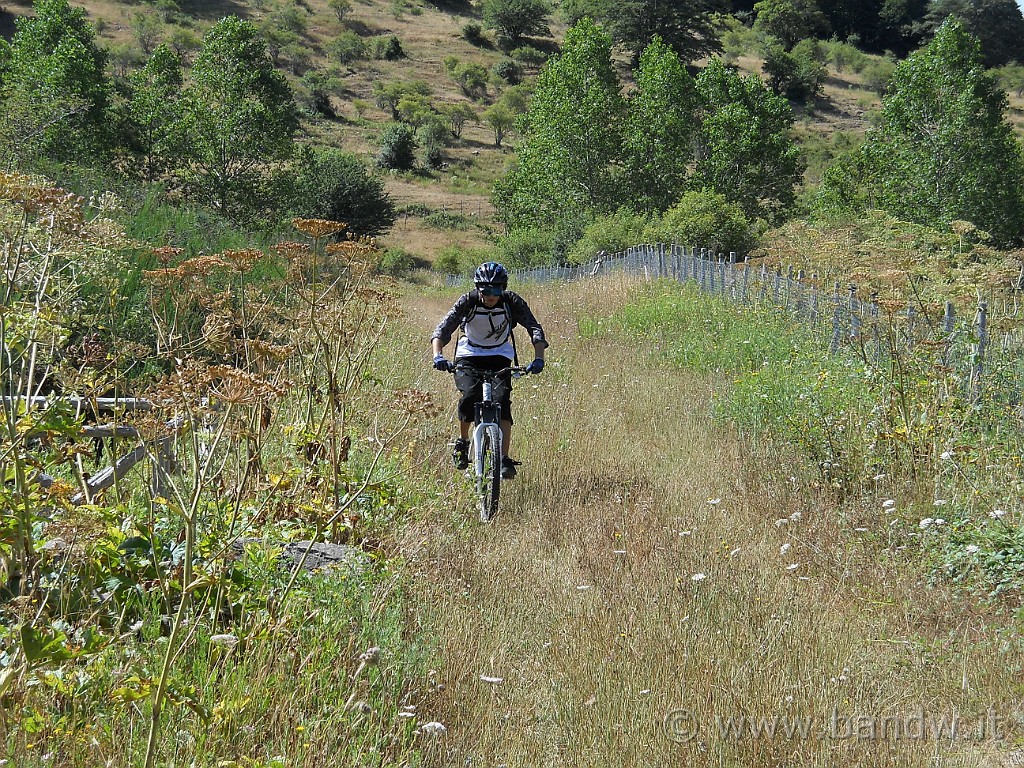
877,74
507,70
457,259
474,33
528,56
843,56
347,47
611,234
797,74
432,136
331,184
397,147
448,221
704,219
396,262
386,48
529,247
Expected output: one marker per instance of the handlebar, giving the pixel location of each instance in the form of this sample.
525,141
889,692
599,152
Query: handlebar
516,370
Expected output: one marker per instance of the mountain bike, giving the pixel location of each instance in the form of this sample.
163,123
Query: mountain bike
485,441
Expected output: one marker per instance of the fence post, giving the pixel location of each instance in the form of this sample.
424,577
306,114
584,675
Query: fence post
776,281
746,276
978,356
837,323
764,284
814,299
873,308
721,273
854,315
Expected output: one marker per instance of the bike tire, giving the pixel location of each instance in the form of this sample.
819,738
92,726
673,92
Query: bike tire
488,473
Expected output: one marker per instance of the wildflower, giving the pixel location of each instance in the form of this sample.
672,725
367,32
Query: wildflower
318,227
888,503
970,549
925,522
698,577
946,456
713,502
785,548
941,502
492,680
228,641
432,729
796,516
781,522
792,566
940,521
997,514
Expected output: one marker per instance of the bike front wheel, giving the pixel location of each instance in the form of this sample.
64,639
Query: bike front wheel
488,471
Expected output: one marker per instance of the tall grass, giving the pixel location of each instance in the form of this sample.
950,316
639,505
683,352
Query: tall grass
651,559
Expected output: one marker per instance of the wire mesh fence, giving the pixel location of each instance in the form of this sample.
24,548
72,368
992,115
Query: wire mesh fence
980,347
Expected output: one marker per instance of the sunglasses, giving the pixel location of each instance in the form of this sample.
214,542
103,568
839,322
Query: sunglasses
491,290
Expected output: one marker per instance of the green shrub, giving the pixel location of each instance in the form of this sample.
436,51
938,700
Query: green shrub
610,234
529,247
843,56
507,70
458,260
704,219
397,147
877,74
432,136
528,56
474,33
396,262
797,74
347,47
386,48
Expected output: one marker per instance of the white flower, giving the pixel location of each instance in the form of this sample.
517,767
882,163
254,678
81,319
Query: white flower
876,478
946,456
888,503
940,502
940,521
698,577
432,729
785,548
970,549
792,566
781,522
796,516
714,501
925,523
996,514
492,680
583,587
229,641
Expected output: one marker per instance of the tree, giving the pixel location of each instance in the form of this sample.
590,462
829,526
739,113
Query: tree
790,21
998,25
154,107
458,115
237,116
659,129
512,20
943,150
571,138
704,219
340,8
53,62
500,118
331,184
692,28
745,151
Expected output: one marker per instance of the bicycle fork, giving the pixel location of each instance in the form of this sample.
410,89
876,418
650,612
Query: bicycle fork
488,426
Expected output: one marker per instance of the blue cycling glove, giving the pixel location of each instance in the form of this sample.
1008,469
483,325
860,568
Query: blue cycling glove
441,364
536,366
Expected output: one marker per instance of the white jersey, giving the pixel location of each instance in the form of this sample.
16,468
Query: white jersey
486,332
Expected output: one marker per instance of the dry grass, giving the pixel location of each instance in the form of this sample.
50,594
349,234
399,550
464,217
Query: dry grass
582,595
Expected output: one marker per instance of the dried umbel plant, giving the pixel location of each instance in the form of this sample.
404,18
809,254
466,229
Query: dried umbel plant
318,228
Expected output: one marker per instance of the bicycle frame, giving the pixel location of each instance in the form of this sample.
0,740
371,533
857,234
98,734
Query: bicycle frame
486,439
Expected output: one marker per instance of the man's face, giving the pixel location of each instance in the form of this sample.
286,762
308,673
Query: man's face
489,295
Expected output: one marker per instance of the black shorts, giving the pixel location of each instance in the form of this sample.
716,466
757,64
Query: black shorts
471,387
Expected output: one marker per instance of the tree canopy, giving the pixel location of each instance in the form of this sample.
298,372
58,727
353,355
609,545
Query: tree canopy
943,150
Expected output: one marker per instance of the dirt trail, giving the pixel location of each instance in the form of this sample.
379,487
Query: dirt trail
651,581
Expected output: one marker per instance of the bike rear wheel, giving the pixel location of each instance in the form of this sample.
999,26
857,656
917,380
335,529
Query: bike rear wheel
488,472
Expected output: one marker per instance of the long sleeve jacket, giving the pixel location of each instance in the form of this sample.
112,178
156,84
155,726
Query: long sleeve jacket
488,331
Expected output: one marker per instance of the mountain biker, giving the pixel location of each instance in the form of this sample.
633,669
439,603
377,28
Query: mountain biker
487,316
